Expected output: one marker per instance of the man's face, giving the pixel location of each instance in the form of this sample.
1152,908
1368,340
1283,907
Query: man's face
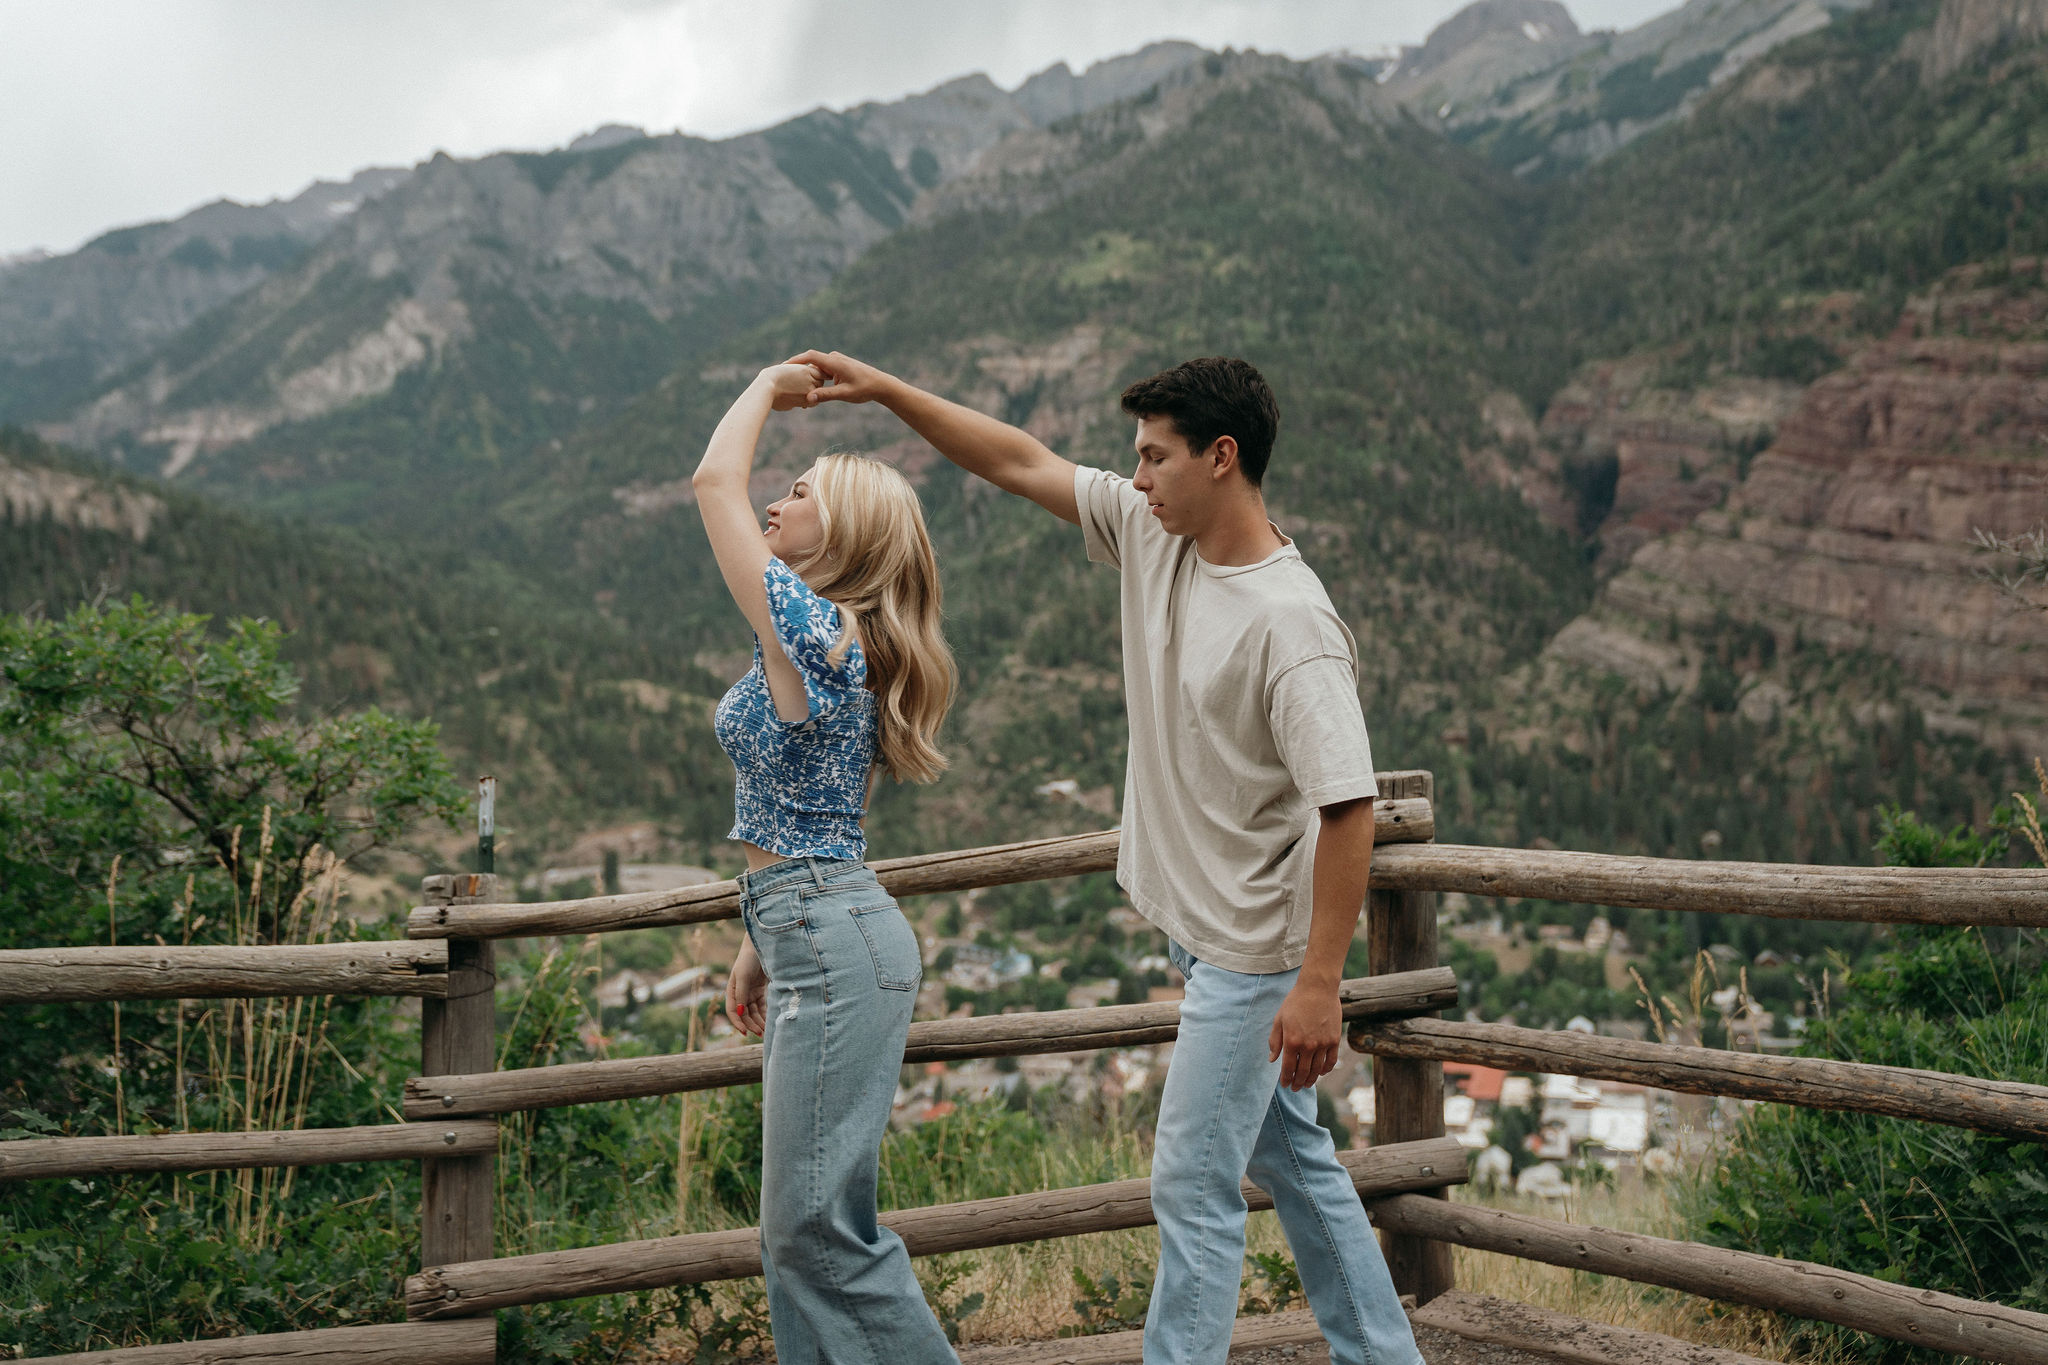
1181,486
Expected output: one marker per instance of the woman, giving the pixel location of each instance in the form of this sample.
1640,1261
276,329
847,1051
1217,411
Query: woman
854,676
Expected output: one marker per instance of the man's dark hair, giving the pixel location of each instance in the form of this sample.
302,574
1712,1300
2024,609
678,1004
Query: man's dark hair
1209,398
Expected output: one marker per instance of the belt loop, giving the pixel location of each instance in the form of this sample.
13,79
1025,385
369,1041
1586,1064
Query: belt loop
817,877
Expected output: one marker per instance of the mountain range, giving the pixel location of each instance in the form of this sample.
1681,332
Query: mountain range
1644,463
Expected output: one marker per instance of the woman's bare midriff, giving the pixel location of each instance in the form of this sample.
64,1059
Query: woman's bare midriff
758,857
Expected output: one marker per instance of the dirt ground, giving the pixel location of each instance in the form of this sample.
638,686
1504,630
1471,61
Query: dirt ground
1540,1337
1438,1348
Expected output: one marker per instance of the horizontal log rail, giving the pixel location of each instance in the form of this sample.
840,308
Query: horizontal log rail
1988,1331
47,1158
1989,896
936,1040
1396,820
1994,897
381,967
2005,1108
470,1341
483,1286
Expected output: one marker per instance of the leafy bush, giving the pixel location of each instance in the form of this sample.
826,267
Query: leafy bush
1114,1303
1912,1203
1279,1283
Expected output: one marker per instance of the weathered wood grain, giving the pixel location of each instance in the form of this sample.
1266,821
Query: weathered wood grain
1408,1094
1988,1331
48,1158
1874,895
483,1286
1002,1035
2006,1108
459,1034
1037,860
472,1341
46,975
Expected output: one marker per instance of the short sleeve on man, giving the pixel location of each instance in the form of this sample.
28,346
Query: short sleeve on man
1107,504
1320,730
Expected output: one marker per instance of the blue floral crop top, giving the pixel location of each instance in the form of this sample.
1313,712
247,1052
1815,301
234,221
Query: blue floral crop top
801,787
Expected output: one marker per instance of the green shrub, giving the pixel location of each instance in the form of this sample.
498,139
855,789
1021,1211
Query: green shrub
1912,1203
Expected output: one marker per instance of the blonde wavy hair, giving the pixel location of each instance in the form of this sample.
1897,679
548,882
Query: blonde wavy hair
874,561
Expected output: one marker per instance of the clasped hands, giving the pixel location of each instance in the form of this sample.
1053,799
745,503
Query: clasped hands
814,377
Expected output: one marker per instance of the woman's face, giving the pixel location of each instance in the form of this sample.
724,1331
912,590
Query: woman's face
794,528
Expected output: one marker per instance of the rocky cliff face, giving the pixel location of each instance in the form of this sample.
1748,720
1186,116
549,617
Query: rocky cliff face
1853,529
1031,169
31,492
618,240
1523,84
1484,45
1967,30
1622,458
68,321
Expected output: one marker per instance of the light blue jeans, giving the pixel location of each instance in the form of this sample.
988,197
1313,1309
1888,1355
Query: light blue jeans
1225,1116
843,968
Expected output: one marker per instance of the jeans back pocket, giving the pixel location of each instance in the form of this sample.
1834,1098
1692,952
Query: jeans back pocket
899,963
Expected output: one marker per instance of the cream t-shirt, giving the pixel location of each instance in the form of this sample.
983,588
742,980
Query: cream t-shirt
1242,689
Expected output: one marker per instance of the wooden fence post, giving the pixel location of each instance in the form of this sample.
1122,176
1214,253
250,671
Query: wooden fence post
1408,1096
458,1036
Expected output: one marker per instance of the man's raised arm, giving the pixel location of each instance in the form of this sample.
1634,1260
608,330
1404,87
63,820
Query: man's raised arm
1011,459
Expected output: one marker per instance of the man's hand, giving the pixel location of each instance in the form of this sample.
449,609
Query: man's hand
746,992
1011,459
1306,1034
844,379
1310,1024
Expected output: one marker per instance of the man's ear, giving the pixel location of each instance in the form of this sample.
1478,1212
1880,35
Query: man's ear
1223,456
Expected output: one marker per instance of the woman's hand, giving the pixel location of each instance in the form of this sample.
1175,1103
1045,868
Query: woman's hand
746,992
790,386
852,381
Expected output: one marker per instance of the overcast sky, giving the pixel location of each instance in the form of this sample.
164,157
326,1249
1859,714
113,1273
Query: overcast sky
123,111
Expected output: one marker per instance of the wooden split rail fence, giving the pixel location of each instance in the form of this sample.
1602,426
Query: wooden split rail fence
452,1105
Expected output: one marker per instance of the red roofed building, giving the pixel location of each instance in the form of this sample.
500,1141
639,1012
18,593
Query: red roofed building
1481,1083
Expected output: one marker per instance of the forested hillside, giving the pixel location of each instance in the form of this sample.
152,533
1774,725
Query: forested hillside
519,680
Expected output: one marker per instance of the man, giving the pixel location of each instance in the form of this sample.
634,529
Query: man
1248,828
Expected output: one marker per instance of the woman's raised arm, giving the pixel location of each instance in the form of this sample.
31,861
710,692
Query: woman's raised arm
722,500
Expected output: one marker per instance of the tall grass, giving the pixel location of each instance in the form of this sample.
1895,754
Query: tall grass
1654,1208
102,1262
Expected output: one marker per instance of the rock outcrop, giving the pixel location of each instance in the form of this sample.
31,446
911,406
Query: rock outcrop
1854,528
650,228
67,321
1486,44
1518,80
1625,460
34,492
1967,30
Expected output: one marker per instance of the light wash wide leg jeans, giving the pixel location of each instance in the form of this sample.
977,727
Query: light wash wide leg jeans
1224,1116
843,969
